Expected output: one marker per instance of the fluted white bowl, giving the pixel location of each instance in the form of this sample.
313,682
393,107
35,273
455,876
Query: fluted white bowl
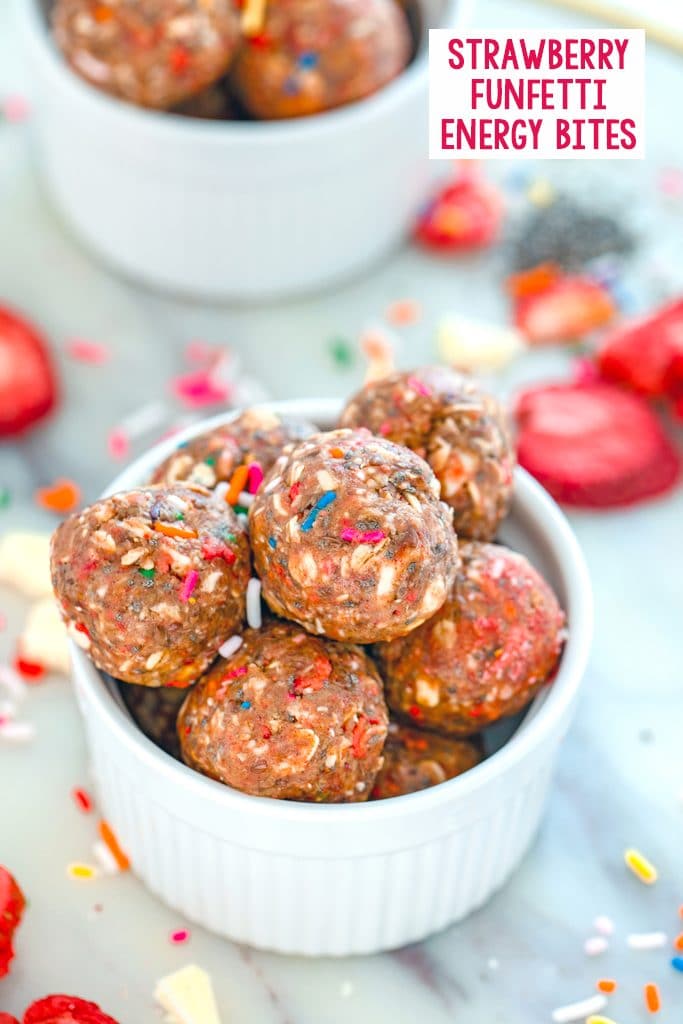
228,209
340,879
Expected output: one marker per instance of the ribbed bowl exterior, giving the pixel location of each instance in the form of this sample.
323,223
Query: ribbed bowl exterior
340,879
319,906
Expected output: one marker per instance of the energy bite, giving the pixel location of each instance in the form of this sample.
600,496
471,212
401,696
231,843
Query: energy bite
151,582
460,430
155,712
350,539
415,759
485,654
255,438
288,716
307,56
154,53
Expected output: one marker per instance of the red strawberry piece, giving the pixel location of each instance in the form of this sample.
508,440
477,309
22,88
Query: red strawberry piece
465,214
28,391
594,445
640,353
12,905
568,309
65,1010
7,1018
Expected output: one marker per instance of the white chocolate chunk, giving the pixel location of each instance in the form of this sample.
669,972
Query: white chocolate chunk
25,563
187,996
44,639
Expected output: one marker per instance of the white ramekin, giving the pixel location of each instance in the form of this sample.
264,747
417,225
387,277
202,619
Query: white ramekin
233,210
340,879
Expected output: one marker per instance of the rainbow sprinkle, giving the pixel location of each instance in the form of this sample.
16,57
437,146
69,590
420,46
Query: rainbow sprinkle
363,536
323,501
189,584
81,872
641,867
180,936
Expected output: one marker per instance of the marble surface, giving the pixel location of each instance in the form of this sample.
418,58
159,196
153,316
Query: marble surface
619,776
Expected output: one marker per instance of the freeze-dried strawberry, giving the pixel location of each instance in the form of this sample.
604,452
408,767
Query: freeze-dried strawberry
568,309
640,353
464,214
7,1018
28,391
65,1010
12,905
594,445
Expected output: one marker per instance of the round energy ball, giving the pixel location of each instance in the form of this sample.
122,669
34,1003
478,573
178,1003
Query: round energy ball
415,759
485,654
151,582
312,55
460,430
153,53
289,716
350,539
255,438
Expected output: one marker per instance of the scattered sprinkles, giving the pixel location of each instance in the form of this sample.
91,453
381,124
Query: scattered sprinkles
90,352
61,497
108,837
647,940
326,499
596,945
342,353
641,867
230,647
604,925
82,799
578,1011
677,963
652,998
254,613
403,313
189,584
81,872
606,985
180,936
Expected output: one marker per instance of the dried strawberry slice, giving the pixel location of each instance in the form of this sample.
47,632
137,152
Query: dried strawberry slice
640,353
465,214
28,391
569,308
594,445
12,905
7,1018
65,1010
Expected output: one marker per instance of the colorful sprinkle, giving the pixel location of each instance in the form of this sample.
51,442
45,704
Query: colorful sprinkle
82,799
147,573
403,312
169,530
118,444
308,60
180,936
272,543
230,647
342,353
254,613
189,584
677,963
647,940
640,866
599,1019
90,352
61,497
81,872
15,108
17,732
678,942
606,985
254,477
418,386
652,998
110,839
577,1011
199,389
29,670
5,497
604,925
595,945
363,536
245,705
238,482
326,499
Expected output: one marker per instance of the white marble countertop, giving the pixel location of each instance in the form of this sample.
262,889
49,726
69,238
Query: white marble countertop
620,772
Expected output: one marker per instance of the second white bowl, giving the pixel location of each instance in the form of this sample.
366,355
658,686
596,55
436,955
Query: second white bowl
233,210
340,879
